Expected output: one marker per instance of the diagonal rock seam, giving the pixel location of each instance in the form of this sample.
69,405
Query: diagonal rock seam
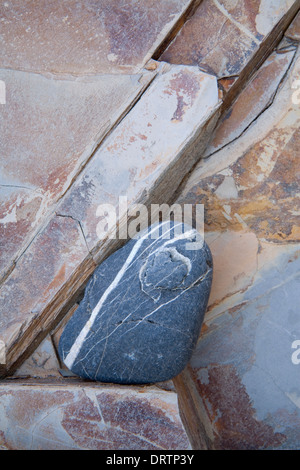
107,130
261,55
266,107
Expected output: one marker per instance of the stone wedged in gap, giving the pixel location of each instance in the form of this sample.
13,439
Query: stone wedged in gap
143,308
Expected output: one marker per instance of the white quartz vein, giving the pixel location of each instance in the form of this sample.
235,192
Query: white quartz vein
138,322
71,356
199,279
184,236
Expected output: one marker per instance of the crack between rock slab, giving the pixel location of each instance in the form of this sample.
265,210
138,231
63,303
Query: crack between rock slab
228,77
106,131
15,261
267,106
54,348
185,180
16,186
176,28
141,320
80,226
242,28
268,44
287,45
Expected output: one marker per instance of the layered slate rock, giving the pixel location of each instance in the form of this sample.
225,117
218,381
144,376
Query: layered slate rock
84,37
257,95
244,393
224,35
159,141
67,416
230,39
52,259
142,310
50,128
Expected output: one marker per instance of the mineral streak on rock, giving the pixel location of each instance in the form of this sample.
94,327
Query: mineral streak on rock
142,310
61,416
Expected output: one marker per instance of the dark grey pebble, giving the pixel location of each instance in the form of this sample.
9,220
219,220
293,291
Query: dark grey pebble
142,311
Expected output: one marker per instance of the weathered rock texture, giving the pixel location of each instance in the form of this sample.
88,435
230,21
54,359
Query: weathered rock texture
230,39
85,37
242,380
158,142
72,72
50,128
72,416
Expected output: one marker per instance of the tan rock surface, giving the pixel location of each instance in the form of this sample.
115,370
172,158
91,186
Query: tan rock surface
50,128
89,417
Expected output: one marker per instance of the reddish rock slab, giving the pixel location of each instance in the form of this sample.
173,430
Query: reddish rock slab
250,184
223,36
248,189
29,295
84,37
50,128
88,417
147,155
253,100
